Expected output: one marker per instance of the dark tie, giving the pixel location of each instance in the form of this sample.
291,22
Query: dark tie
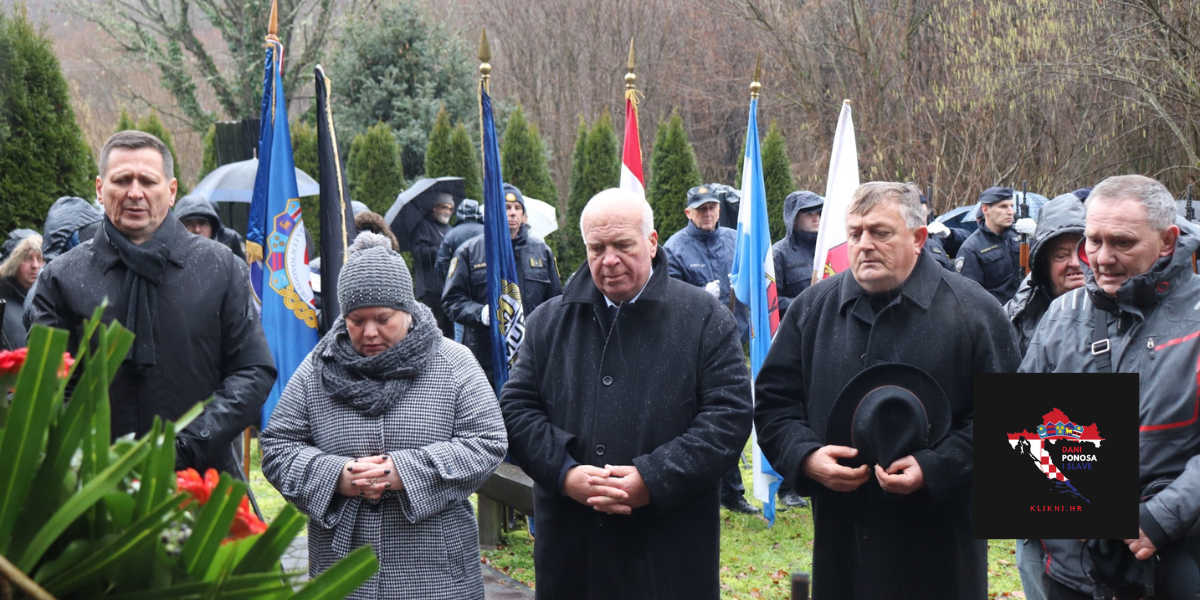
612,316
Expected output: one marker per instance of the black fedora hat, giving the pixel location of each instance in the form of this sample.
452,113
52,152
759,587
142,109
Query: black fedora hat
889,411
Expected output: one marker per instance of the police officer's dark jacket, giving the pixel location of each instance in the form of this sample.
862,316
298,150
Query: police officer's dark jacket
793,256
697,257
466,287
993,260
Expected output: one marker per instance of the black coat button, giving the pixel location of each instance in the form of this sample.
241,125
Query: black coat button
864,532
606,380
600,450
205,434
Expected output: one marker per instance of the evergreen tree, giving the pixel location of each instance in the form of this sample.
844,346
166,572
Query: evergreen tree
208,153
463,161
401,67
523,159
777,179
375,174
437,152
126,122
673,171
304,152
570,243
599,169
153,126
42,152
451,154
524,164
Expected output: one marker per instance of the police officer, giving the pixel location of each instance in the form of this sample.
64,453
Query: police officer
702,254
465,297
943,242
992,255
794,253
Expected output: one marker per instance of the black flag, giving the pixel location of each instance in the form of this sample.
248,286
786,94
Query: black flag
337,218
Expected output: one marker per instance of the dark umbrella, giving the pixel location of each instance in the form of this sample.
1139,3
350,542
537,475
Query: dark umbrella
414,203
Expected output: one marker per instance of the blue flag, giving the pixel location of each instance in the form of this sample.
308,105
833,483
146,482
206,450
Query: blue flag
507,314
276,244
753,283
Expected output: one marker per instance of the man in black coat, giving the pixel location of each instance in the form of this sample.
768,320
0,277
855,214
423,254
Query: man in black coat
465,296
426,239
629,400
901,530
186,298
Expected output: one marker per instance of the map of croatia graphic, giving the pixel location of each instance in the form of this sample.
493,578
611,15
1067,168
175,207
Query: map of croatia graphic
1057,426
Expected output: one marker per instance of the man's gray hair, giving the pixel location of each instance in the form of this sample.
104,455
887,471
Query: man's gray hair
134,140
905,195
29,246
613,196
1159,203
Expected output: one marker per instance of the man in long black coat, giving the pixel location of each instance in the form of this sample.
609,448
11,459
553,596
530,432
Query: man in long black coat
187,299
426,239
883,531
627,421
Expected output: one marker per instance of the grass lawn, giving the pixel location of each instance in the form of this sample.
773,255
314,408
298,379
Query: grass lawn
756,561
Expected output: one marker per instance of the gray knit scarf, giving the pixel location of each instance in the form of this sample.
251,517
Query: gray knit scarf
372,384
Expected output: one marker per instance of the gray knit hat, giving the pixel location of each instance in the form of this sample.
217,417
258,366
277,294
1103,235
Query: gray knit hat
374,275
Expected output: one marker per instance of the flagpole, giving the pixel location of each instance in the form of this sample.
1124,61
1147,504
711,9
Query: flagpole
272,37
630,78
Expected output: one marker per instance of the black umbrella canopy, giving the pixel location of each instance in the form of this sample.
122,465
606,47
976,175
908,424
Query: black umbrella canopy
414,203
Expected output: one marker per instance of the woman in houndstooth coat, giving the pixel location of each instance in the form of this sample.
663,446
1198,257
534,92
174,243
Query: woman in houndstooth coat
381,436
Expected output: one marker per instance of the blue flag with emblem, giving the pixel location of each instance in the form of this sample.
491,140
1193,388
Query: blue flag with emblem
507,314
753,283
276,243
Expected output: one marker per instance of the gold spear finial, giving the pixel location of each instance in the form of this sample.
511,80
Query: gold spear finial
485,55
273,25
630,78
756,85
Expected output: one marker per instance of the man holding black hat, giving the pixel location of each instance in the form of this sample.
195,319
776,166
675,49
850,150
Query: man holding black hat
877,433
992,255
465,296
702,254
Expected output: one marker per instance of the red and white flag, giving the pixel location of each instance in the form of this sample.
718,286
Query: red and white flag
631,157
831,253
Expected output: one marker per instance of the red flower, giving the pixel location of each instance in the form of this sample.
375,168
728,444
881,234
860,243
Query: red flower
67,363
189,481
245,522
11,361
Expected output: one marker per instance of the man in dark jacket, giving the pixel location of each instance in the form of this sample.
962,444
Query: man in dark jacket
625,436
465,296
915,540
1142,286
702,254
794,253
992,255
1054,265
186,298
426,239
199,217
69,222
468,225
